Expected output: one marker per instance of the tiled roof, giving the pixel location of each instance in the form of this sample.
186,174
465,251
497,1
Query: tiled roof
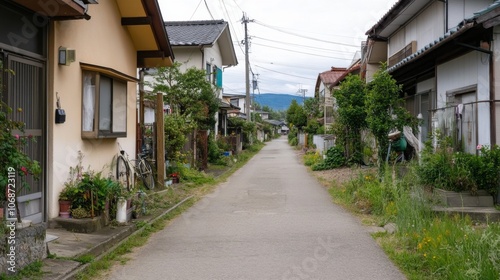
490,8
351,69
194,33
329,77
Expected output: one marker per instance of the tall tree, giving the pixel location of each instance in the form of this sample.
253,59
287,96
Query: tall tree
296,116
189,94
385,110
192,99
350,98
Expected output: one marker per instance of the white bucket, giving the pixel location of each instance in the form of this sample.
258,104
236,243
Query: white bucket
121,210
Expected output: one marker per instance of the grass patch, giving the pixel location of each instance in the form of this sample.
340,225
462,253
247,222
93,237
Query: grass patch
426,245
31,271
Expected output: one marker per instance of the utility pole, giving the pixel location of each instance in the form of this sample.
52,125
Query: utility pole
245,21
254,86
303,92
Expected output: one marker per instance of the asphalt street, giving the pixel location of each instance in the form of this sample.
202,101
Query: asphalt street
270,220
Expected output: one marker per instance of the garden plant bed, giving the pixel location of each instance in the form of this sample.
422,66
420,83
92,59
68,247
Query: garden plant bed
85,225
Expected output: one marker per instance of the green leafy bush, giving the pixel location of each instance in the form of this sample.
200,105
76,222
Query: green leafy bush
459,171
334,158
311,159
214,151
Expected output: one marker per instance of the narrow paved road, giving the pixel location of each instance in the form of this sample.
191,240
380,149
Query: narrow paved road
270,220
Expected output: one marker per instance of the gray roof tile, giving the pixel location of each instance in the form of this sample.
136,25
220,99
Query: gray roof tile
194,33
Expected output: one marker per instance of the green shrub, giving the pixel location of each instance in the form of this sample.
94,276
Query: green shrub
334,158
80,213
214,151
311,159
459,171
193,176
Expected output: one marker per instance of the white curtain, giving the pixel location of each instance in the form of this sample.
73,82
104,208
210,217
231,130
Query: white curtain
88,103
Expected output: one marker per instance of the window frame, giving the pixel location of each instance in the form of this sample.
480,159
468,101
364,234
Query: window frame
116,78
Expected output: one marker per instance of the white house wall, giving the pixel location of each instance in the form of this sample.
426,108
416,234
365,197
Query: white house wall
424,28
468,70
192,57
458,10
427,85
111,47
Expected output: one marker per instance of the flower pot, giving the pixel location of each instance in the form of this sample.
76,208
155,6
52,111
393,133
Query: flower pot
64,206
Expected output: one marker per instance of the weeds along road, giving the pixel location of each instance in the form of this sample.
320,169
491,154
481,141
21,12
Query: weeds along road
270,220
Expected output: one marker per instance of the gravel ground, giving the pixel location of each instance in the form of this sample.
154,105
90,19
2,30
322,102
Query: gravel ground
339,175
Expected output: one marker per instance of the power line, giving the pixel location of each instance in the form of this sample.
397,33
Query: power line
238,6
289,65
231,26
309,32
302,52
284,73
209,12
299,45
192,15
306,37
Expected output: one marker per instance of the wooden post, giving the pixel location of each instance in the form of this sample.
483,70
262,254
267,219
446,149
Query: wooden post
160,140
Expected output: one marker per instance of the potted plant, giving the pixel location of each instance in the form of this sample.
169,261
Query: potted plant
174,177
70,188
65,202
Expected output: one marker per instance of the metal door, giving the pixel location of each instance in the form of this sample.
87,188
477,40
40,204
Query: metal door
25,88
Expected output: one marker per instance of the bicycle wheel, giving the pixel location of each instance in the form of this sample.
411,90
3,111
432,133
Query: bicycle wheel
146,172
123,172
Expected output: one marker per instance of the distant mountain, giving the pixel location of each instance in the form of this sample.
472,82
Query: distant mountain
277,101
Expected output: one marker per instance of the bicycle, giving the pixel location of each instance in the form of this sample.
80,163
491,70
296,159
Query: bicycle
142,169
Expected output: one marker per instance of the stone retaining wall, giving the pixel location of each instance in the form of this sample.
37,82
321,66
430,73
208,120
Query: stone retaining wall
29,246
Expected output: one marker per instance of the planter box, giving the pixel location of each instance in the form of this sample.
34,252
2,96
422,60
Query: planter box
86,225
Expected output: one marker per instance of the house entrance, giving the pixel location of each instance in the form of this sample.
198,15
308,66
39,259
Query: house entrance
24,92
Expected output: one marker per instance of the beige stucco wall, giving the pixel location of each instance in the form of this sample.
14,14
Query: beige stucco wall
104,42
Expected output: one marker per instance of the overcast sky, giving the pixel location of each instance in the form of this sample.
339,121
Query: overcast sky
292,41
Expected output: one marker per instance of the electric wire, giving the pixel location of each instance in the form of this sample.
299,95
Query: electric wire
208,9
302,52
230,22
196,9
299,45
284,73
305,37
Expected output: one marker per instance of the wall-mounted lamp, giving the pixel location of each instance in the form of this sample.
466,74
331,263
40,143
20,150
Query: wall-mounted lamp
66,56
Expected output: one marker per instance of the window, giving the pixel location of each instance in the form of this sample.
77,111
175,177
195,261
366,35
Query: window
217,75
208,69
104,106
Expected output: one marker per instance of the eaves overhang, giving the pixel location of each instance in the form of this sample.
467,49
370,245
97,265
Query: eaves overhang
431,47
58,9
144,22
400,13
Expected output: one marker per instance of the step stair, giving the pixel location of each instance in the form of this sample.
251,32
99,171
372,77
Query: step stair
464,199
478,207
